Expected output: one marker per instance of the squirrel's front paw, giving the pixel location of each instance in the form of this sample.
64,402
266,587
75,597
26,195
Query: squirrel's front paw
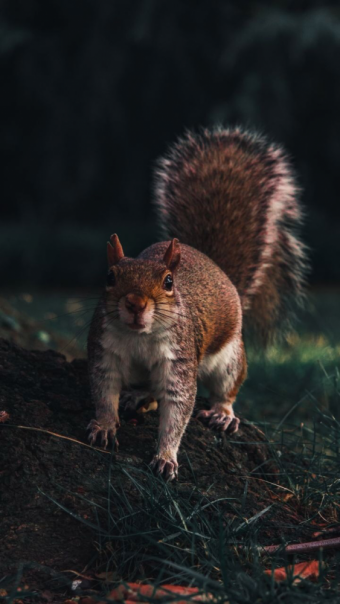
167,468
218,420
103,430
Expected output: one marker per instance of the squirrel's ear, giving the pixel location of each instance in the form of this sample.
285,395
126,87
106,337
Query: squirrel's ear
114,250
172,255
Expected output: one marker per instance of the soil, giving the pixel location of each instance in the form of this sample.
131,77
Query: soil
41,473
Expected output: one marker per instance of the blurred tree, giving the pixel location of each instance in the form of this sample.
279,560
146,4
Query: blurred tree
94,90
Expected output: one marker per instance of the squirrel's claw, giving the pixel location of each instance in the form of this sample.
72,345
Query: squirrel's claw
105,434
234,425
219,421
167,468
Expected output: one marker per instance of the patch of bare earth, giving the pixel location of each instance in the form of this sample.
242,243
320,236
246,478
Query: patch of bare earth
42,393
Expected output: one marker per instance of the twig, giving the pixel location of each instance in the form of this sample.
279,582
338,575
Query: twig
73,440
301,548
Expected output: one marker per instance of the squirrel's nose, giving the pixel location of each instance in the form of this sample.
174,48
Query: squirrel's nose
135,303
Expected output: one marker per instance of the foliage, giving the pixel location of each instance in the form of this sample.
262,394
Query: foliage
177,537
95,90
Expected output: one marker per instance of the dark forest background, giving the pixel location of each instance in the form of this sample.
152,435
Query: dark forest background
93,91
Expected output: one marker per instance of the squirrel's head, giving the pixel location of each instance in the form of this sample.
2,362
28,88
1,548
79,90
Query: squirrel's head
140,293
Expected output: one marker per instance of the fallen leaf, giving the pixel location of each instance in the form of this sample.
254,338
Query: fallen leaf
148,406
326,531
133,421
89,600
303,570
133,592
4,416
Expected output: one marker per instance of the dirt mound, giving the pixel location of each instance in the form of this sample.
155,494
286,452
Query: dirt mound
42,394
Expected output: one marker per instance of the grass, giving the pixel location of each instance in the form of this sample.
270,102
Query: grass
166,534
302,373
176,536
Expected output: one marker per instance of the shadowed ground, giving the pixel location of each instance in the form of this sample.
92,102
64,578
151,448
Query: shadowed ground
42,473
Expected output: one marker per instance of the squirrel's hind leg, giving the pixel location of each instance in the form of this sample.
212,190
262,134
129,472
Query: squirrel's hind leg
133,400
223,374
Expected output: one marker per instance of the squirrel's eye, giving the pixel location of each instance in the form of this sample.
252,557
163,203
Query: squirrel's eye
110,279
167,284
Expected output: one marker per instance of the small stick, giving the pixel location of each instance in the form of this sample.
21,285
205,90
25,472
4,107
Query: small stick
301,548
62,436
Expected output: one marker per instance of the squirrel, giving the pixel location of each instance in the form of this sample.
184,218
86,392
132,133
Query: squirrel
228,207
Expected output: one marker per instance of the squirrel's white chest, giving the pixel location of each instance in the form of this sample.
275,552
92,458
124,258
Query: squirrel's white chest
135,354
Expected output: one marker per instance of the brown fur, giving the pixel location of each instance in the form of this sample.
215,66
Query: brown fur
232,195
241,377
210,299
229,198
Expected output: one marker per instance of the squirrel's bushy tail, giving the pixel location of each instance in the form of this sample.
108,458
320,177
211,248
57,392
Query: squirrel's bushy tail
232,195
